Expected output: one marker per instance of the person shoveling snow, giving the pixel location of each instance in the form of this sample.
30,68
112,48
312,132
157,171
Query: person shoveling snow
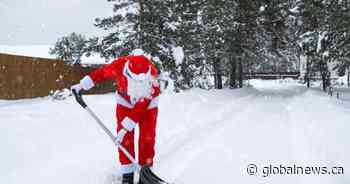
137,94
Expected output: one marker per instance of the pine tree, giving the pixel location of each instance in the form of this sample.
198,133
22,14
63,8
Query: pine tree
277,20
222,39
212,37
243,40
70,48
339,49
138,24
186,21
123,27
324,27
313,28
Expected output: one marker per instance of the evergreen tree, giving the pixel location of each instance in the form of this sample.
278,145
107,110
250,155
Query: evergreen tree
339,49
222,39
187,30
242,39
213,19
139,24
314,26
70,48
123,27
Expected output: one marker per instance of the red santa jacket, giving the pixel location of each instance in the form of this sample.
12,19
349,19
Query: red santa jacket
115,71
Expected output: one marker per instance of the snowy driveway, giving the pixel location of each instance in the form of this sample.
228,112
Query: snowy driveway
203,137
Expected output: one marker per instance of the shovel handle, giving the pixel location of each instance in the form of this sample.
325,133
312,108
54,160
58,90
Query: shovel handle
79,98
142,170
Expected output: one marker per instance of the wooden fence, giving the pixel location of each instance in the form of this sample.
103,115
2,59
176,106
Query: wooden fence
28,77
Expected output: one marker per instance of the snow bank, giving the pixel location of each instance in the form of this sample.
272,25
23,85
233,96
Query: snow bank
342,81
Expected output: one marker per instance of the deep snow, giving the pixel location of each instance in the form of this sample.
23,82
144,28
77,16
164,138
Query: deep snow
203,137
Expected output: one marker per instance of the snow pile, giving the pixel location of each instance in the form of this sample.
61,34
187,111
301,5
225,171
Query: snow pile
202,137
342,81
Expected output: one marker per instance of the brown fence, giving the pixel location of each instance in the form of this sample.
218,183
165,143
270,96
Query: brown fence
28,77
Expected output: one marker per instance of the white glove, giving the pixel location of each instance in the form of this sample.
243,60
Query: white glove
76,87
120,136
86,83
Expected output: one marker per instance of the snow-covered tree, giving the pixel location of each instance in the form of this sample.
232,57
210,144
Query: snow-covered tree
187,30
70,48
194,41
323,37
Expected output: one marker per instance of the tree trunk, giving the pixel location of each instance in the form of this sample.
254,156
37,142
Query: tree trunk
307,75
348,77
240,73
324,88
324,74
233,74
217,73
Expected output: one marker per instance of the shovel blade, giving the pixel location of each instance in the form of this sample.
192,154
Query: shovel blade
148,177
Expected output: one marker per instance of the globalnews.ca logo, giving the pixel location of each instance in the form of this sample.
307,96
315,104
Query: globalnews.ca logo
280,169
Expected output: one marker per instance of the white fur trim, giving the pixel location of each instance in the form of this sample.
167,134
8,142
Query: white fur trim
87,83
153,103
137,52
128,124
123,102
127,168
120,135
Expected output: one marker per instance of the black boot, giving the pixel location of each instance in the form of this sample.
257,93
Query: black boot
140,182
128,178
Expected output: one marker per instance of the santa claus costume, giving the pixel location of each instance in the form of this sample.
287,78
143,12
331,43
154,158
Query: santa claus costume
137,104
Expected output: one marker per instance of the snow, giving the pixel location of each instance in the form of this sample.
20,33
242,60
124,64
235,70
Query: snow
178,54
171,25
138,52
295,9
133,8
262,8
202,136
342,81
42,51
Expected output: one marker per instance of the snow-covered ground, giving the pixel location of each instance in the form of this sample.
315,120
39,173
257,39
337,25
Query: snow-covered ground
203,137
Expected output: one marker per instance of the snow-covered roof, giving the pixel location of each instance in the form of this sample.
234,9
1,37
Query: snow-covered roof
42,51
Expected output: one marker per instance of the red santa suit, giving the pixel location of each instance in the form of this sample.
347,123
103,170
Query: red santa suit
134,106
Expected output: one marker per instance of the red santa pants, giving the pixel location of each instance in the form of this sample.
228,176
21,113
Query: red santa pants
147,134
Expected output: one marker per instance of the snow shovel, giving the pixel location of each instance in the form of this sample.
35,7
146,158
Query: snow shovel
146,174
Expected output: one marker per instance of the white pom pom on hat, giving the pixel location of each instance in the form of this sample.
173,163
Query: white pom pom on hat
137,52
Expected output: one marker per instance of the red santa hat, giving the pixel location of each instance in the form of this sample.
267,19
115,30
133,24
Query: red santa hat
138,68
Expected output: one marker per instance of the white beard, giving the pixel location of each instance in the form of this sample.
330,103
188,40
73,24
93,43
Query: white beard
138,89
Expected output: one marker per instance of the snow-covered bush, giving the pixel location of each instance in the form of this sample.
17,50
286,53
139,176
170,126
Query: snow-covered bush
60,94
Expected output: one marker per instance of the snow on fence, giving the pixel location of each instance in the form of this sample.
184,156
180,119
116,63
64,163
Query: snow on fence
272,75
28,77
